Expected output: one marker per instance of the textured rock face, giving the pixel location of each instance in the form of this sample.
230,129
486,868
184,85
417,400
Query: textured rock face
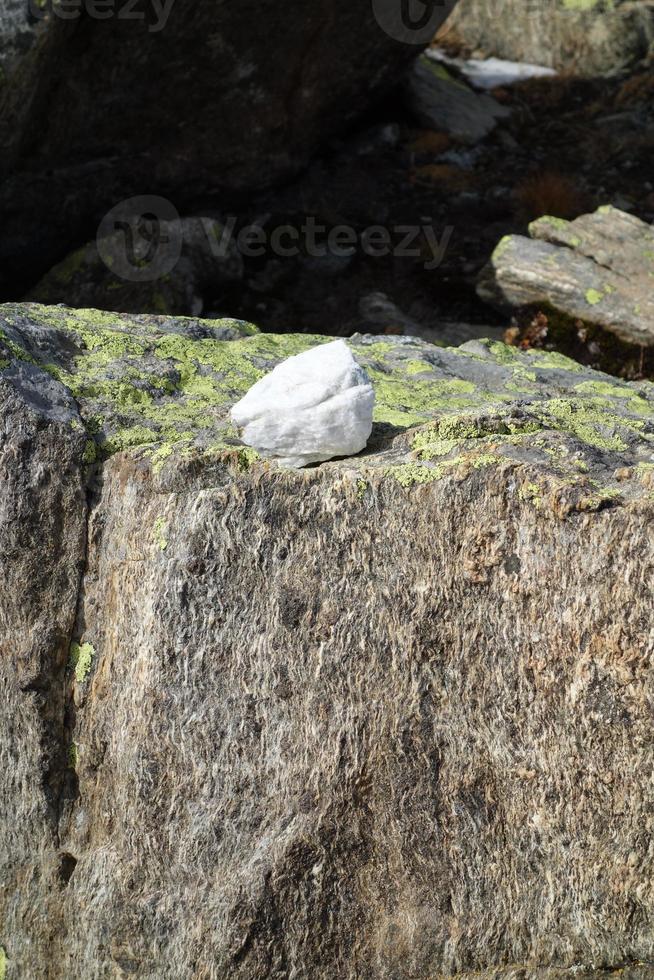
590,37
42,539
593,275
386,718
245,93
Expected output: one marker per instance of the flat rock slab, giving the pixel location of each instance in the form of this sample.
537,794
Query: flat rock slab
387,718
441,102
597,269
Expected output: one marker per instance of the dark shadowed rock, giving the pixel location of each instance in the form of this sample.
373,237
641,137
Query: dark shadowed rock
212,99
385,718
157,267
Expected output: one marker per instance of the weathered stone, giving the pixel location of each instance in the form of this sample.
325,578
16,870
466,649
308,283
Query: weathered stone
589,37
597,269
440,101
42,542
386,718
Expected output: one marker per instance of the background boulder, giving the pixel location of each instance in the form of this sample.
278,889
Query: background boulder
207,99
587,37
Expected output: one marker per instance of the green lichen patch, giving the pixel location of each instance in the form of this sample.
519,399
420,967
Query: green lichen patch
590,421
410,474
160,533
531,492
81,660
160,389
3,963
442,437
90,453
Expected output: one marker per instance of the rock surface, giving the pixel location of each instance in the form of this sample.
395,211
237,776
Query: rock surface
245,94
387,718
588,37
441,102
596,271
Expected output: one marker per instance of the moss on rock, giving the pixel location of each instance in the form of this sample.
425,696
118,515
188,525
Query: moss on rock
161,388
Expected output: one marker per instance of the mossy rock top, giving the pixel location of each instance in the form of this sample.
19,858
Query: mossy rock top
161,388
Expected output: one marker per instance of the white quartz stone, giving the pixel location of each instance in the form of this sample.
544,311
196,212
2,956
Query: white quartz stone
310,408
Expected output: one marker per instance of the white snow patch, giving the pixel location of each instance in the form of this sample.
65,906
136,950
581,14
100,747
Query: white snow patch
310,408
492,72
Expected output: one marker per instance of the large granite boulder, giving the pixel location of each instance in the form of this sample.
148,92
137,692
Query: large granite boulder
389,717
587,37
186,99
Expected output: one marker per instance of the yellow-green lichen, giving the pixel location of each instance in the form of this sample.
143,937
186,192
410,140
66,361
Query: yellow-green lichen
589,420
81,660
597,499
160,455
440,438
409,474
3,963
552,360
637,400
73,756
405,403
530,492
160,533
417,367
90,452
246,457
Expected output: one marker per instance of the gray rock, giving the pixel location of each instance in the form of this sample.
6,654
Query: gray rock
440,101
590,38
596,269
387,718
